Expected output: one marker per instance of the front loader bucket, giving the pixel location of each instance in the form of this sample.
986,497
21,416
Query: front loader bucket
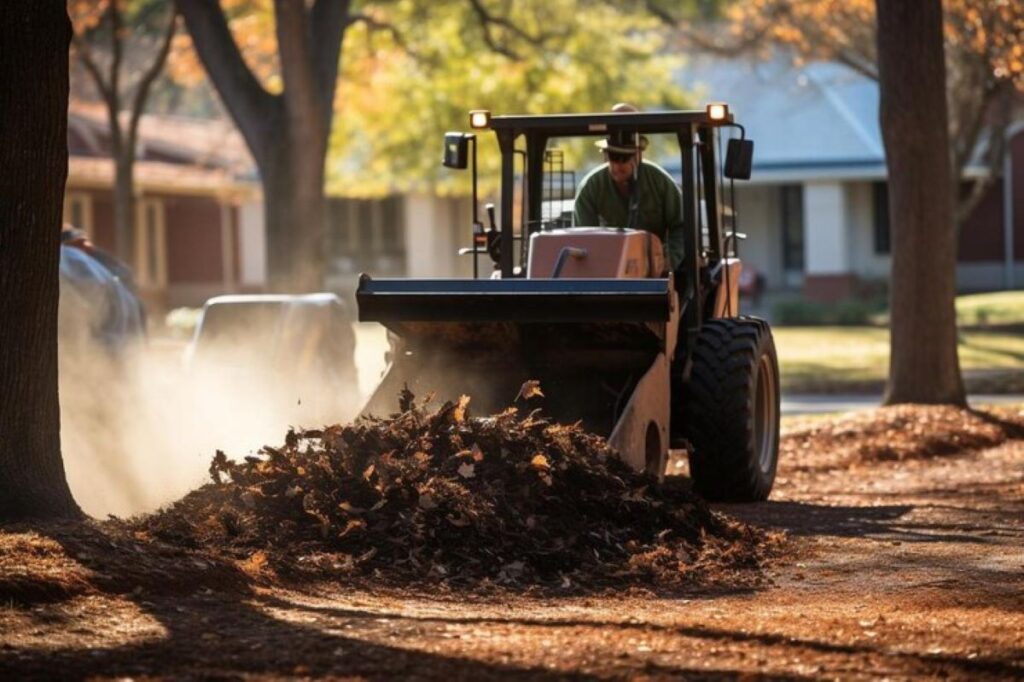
599,348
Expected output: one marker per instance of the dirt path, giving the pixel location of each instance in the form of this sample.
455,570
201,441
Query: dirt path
897,569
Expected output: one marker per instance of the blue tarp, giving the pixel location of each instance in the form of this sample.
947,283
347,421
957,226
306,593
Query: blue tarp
95,303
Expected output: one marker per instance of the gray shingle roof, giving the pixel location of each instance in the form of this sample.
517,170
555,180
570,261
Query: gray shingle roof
817,118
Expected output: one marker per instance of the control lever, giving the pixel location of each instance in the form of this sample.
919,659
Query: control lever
492,236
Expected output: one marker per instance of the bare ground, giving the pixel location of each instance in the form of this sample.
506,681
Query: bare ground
904,559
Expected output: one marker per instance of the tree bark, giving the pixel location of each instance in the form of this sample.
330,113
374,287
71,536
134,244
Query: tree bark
124,204
924,366
34,39
295,211
286,133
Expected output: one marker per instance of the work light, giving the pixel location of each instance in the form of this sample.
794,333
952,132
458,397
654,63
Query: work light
479,118
718,111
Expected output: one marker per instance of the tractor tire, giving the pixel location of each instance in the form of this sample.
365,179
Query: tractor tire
729,410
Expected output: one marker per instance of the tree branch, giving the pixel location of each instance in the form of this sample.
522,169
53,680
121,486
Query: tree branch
117,50
328,20
85,54
1000,95
294,46
488,20
376,25
251,106
149,77
660,13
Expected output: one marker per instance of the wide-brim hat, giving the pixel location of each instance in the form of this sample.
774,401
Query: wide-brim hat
622,143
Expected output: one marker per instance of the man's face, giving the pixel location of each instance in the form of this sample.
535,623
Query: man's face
621,165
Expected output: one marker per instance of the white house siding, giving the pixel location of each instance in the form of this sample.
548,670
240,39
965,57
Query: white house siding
252,246
826,242
435,229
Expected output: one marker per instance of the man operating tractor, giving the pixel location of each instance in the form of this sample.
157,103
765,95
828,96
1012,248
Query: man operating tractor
631,192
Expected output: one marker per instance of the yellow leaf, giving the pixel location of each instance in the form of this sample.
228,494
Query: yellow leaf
460,409
530,389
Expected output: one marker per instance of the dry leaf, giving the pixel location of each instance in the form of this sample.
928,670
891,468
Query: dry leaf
467,470
530,389
459,415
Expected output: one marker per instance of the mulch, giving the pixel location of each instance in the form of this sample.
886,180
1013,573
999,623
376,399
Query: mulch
435,495
903,432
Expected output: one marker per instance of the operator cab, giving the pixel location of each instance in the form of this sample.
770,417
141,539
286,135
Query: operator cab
532,234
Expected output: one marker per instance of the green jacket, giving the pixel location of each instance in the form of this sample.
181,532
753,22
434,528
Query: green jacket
598,203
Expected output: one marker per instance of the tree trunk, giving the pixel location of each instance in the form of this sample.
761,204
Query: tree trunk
286,132
34,38
124,206
293,189
295,215
924,367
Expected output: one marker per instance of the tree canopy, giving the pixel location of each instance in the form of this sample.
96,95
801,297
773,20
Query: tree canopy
401,92
411,70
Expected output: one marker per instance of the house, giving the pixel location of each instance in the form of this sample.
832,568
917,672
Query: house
815,210
816,207
199,216
199,228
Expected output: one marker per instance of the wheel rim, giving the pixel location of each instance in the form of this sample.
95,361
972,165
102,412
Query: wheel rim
765,422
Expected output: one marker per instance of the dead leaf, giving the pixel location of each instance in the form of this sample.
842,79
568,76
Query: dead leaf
459,415
530,389
467,470
457,520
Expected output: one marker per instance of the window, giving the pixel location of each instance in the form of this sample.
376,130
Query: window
880,191
791,201
150,243
78,211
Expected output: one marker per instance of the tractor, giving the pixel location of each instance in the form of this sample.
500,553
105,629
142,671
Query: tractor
651,358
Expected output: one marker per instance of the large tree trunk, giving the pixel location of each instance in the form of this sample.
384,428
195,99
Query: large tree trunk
286,132
924,367
34,38
294,208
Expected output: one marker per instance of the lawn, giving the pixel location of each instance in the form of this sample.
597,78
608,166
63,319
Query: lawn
1002,307
820,358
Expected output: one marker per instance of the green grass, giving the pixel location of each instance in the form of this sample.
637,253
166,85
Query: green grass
1003,307
815,358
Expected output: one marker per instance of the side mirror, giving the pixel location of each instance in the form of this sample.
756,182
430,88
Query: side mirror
456,150
739,157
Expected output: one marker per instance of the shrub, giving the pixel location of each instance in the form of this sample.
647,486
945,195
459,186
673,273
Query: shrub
848,312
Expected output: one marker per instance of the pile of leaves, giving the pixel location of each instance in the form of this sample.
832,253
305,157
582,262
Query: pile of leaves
438,495
905,432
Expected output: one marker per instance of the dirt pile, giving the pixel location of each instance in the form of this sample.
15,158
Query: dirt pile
903,432
438,495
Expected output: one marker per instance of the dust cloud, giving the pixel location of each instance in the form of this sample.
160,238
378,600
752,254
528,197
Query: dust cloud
139,427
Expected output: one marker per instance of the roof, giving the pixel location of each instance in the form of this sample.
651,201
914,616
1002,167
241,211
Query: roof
206,156
173,178
815,120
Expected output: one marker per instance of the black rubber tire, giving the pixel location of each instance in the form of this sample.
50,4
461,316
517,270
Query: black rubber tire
728,411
